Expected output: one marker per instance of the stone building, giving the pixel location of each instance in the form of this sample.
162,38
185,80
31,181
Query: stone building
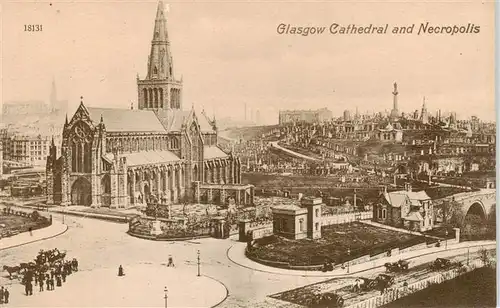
298,222
308,116
413,210
122,157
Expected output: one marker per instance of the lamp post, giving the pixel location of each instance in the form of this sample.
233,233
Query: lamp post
166,297
348,255
198,262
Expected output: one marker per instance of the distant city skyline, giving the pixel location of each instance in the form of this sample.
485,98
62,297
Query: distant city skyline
227,59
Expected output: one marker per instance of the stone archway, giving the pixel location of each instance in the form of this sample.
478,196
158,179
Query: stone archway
477,209
81,192
474,222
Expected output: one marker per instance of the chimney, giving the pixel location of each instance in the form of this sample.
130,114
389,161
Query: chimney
408,187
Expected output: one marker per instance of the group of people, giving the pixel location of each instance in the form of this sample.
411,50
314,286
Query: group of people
4,295
49,271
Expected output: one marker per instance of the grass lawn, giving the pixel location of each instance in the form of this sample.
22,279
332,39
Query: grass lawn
360,238
14,223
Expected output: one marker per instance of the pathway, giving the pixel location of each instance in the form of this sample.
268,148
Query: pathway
276,145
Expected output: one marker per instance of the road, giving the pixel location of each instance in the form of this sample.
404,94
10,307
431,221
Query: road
276,145
102,246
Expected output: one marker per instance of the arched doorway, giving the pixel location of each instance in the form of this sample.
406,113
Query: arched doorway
106,190
147,192
81,192
195,173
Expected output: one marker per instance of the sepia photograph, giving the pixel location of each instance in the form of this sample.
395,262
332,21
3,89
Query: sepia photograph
247,154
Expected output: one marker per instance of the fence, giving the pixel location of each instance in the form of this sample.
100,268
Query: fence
43,220
262,231
391,295
336,219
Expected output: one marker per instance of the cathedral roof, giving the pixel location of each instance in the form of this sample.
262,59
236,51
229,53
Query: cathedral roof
126,120
147,157
212,152
173,119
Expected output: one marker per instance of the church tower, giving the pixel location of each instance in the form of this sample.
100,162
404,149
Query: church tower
160,90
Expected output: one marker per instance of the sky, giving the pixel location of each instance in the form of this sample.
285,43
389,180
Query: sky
229,54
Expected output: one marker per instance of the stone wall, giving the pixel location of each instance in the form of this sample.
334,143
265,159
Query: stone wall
336,219
398,292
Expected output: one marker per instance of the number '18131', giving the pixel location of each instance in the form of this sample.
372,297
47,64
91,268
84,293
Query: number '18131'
32,28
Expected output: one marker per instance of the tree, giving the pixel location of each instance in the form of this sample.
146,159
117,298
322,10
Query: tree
484,256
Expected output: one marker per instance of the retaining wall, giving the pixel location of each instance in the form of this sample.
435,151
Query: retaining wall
336,219
393,294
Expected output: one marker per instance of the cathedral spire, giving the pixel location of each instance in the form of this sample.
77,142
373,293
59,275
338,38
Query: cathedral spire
160,90
160,60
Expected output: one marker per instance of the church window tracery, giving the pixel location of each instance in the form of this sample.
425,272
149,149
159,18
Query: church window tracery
81,146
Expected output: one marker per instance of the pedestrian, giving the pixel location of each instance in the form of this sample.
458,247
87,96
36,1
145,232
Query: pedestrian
31,231
41,279
1,295
51,283
48,283
58,280
40,288
120,271
63,275
6,296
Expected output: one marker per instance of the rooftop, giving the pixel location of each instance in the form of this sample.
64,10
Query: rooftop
147,157
126,120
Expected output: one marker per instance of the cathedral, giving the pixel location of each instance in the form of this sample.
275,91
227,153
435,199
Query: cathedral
123,157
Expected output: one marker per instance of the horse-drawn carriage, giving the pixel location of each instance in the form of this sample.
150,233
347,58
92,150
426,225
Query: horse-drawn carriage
42,263
442,263
382,281
327,266
401,265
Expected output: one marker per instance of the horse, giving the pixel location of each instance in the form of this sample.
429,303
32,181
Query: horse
11,269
